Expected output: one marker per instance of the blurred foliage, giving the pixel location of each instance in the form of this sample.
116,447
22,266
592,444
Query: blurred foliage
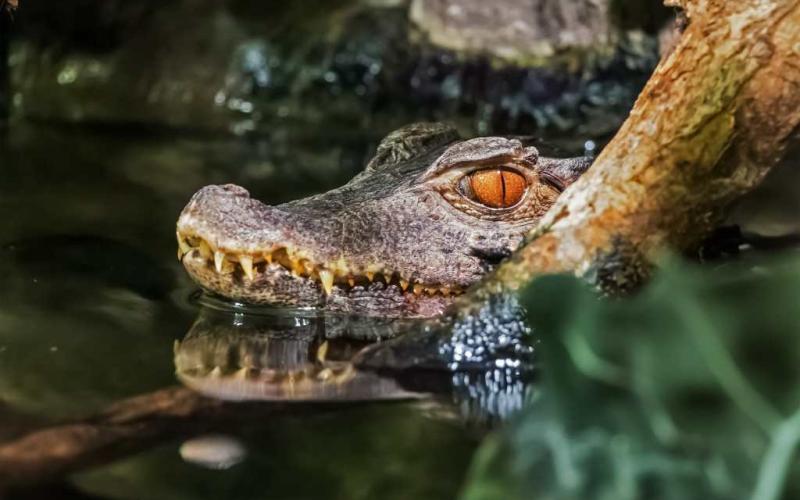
687,390
350,66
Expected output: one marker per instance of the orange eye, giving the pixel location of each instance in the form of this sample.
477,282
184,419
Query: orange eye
495,187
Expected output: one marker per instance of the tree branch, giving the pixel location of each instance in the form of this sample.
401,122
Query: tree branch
126,427
715,116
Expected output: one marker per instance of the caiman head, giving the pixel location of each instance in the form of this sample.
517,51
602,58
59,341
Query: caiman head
428,216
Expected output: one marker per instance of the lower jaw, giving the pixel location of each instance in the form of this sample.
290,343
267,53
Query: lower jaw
279,287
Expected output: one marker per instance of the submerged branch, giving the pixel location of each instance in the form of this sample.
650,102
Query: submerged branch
716,115
124,428
8,5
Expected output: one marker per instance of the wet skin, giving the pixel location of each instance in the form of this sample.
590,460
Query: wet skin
428,216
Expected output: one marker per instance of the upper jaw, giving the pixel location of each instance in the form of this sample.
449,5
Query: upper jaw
255,266
246,250
273,284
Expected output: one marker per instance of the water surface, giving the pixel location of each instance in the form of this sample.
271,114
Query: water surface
94,300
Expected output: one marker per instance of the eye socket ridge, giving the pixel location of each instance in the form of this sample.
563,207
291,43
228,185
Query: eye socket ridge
495,188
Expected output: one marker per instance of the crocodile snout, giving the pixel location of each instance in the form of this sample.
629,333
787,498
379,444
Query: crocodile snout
227,218
402,238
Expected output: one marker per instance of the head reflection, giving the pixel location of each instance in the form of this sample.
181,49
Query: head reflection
284,355
275,355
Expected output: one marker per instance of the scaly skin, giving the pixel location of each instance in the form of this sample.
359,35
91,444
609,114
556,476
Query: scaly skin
401,239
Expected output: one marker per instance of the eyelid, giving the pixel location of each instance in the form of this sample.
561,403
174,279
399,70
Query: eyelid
443,170
459,169
552,181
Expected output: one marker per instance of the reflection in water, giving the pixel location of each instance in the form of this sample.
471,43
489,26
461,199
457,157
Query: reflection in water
272,354
492,395
487,356
214,451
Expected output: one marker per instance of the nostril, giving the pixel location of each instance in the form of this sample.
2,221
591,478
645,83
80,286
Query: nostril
217,191
234,190
218,201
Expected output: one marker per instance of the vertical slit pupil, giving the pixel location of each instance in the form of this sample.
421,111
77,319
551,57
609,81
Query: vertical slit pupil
503,188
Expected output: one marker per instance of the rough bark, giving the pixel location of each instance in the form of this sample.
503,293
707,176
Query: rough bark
716,115
522,30
126,427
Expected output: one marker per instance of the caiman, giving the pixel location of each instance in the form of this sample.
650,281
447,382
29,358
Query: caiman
430,214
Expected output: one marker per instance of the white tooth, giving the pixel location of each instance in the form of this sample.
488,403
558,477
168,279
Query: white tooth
326,277
340,266
247,266
205,250
183,247
322,351
216,372
241,373
219,260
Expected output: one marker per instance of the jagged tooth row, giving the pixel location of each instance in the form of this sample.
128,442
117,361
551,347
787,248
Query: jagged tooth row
328,275
325,375
330,373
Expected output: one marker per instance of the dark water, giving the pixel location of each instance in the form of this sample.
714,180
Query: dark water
93,299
